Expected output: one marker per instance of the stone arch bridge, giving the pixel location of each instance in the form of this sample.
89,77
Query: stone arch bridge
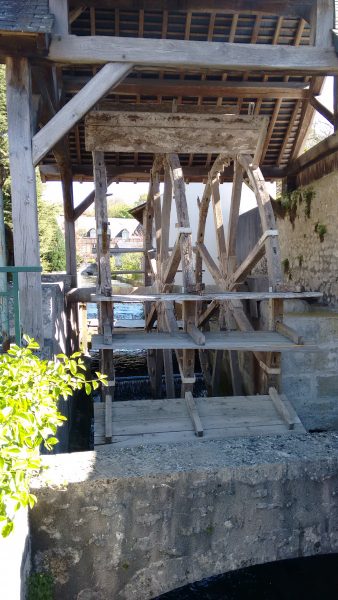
134,523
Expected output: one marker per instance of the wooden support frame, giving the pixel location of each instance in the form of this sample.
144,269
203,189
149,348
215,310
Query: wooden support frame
24,198
73,49
106,318
109,76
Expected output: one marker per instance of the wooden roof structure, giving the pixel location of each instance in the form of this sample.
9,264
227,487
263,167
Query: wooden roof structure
64,58
286,96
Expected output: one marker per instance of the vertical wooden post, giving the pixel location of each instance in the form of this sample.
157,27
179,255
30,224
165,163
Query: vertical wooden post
23,190
68,208
106,318
189,308
59,8
322,23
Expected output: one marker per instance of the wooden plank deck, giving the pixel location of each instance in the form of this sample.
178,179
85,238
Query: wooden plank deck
260,341
162,421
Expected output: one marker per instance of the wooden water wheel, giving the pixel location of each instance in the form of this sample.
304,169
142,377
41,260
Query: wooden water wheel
162,265
228,274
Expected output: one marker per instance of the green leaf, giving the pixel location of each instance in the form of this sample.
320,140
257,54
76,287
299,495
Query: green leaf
7,529
88,388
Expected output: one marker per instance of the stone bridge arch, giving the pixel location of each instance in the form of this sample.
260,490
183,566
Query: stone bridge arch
136,523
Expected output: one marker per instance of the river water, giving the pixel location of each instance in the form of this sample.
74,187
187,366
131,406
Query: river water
314,578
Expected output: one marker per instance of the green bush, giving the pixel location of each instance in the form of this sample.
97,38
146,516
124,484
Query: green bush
29,392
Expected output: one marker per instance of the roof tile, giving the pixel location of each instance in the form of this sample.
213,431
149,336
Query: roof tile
26,16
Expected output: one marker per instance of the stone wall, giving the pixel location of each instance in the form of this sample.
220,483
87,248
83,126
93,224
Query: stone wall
314,264
133,523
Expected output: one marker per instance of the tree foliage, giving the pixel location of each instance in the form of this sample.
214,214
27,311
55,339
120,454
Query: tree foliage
131,261
52,243
29,391
5,182
119,210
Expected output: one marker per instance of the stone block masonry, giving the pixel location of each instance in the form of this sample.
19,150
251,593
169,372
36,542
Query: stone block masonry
131,524
312,263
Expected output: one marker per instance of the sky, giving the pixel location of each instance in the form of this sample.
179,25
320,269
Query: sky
130,192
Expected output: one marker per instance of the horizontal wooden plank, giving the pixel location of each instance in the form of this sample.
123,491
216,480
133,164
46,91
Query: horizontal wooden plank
206,89
262,341
89,295
163,133
209,434
175,407
72,49
113,119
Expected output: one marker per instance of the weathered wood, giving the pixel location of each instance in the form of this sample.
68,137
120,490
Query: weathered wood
251,260
208,313
260,341
73,49
172,264
210,264
318,152
193,413
219,226
23,193
289,333
109,76
236,193
166,212
183,221
322,23
108,419
322,110
181,87
87,202
267,219
164,133
59,8
151,317
287,8
196,334
88,294
69,224
281,408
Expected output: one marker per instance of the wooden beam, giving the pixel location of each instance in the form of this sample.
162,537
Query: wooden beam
23,193
162,133
76,108
290,417
193,413
325,112
322,22
203,55
174,260
205,88
318,152
59,8
290,8
84,172
251,260
68,208
209,311
210,264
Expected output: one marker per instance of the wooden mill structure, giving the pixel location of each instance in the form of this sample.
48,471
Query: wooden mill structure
172,91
